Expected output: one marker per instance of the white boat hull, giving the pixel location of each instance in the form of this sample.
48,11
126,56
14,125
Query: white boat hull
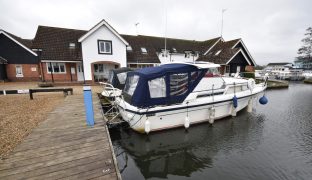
187,113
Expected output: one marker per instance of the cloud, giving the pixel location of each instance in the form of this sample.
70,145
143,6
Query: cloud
272,30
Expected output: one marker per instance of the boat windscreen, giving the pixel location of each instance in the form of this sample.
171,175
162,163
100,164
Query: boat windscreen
131,84
122,77
212,72
111,77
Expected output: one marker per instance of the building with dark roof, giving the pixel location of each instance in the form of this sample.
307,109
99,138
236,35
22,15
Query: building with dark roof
80,55
17,61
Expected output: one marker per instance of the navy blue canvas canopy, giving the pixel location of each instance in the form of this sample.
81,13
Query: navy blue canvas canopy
162,85
113,77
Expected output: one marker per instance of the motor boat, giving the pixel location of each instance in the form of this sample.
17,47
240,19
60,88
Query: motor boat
182,94
116,82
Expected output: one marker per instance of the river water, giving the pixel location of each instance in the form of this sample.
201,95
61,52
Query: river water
272,142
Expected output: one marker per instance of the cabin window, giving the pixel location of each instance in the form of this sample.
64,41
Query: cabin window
131,84
122,77
244,87
105,47
231,89
56,68
178,84
110,77
19,71
157,87
194,76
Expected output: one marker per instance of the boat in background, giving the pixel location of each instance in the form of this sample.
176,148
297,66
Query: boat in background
181,94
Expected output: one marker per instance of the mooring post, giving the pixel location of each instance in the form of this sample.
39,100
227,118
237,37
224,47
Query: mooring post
31,94
87,94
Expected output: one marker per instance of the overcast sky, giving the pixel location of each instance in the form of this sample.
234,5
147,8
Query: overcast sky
271,29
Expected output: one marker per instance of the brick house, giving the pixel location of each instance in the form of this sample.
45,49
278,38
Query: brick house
60,58
233,56
17,61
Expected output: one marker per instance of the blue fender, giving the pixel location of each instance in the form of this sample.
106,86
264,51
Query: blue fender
263,100
235,103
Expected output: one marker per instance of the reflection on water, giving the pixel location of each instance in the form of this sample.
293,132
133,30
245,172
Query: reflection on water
273,142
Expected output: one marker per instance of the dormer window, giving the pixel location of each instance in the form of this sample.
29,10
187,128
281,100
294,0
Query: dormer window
143,50
105,47
72,45
218,53
129,48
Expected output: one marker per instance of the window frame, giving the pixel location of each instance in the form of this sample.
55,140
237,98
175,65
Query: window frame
59,63
19,74
105,41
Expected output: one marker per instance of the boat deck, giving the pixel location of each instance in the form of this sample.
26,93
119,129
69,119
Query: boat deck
63,147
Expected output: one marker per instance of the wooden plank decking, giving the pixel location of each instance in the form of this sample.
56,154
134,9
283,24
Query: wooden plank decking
63,147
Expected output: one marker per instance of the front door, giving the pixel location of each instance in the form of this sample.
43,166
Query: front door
238,69
79,72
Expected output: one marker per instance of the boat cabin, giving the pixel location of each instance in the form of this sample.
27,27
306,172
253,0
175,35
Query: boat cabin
163,85
117,77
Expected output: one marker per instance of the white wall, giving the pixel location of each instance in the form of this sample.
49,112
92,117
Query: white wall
90,50
176,58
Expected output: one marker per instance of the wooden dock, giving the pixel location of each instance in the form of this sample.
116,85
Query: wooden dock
63,147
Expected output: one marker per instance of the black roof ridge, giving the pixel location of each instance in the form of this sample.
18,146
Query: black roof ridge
62,28
162,37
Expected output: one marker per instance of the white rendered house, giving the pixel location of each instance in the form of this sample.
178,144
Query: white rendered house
102,49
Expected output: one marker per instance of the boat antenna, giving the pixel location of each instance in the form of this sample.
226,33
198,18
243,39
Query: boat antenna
223,10
136,28
165,14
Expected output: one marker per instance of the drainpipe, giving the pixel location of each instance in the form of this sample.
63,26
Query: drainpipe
39,52
52,72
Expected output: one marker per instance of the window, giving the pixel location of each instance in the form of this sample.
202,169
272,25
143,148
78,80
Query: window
227,69
105,47
72,45
143,50
144,65
19,71
178,84
131,84
157,87
56,68
129,48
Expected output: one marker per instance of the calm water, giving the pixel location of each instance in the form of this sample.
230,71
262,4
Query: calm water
273,142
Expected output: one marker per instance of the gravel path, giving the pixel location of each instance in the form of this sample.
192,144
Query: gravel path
19,115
